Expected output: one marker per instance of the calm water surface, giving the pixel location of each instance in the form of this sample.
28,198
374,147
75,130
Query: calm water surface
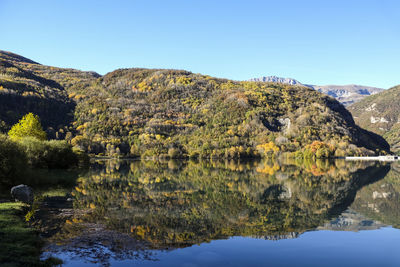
124,213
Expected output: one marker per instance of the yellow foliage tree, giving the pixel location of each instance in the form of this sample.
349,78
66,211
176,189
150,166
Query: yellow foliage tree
268,148
28,126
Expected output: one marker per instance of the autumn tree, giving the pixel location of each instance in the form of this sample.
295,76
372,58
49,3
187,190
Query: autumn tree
28,126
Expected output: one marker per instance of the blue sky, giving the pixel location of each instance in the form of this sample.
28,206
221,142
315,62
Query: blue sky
318,42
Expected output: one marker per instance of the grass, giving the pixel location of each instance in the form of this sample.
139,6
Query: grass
19,244
56,192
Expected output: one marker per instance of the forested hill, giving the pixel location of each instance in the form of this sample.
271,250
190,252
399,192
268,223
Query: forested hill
26,86
380,113
150,112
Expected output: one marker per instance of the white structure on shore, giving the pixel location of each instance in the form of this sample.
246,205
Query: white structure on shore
380,158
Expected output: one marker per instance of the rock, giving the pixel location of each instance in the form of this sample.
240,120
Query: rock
290,235
276,79
280,140
285,123
285,194
22,193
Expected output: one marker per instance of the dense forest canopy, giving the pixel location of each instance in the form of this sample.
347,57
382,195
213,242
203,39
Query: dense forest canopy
175,113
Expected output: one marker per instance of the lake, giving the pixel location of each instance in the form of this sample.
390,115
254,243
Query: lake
255,213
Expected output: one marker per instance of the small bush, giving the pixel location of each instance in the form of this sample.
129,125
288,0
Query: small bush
174,152
60,154
12,158
48,154
35,151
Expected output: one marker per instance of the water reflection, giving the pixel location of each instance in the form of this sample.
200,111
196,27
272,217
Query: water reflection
380,201
125,208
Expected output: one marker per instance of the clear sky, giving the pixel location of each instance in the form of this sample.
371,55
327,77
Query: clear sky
317,42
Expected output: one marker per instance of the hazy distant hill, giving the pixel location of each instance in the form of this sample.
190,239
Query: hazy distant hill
380,113
162,112
346,94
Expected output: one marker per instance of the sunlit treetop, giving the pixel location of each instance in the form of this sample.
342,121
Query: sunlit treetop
28,126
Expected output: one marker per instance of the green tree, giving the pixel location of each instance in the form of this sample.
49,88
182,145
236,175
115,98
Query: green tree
28,126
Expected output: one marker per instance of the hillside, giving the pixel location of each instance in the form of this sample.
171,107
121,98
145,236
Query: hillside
345,94
380,113
27,86
172,112
151,112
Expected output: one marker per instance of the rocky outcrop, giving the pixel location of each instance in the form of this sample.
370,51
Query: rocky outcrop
275,79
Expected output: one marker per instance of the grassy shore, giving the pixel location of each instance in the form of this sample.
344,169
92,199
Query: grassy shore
20,244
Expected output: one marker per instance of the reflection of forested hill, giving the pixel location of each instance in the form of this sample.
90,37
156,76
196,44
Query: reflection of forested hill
381,200
176,205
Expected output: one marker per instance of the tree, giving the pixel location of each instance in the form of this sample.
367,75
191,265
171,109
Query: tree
28,126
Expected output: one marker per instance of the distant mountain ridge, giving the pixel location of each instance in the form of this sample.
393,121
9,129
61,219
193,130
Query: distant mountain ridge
346,94
276,79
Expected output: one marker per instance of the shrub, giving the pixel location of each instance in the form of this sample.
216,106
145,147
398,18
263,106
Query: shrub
12,158
318,149
35,151
48,154
174,152
60,154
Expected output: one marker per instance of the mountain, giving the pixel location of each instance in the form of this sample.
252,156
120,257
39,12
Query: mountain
175,113
380,113
351,221
275,79
346,94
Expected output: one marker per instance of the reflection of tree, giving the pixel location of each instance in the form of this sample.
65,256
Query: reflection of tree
381,200
175,204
